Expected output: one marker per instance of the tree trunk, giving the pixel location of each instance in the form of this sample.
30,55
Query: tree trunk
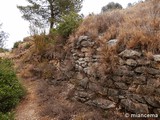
52,16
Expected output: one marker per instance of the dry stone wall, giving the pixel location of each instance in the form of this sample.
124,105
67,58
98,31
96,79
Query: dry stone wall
133,86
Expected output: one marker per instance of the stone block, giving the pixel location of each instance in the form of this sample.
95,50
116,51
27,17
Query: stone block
131,62
134,107
130,54
104,103
145,89
120,85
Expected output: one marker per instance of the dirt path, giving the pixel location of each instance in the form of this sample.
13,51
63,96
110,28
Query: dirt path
28,108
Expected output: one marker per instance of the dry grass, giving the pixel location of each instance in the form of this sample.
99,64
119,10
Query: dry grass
137,27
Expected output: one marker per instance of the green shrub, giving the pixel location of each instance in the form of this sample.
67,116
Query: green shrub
16,44
68,24
7,116
10,89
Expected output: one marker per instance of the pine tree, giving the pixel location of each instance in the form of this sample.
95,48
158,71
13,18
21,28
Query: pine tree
48,12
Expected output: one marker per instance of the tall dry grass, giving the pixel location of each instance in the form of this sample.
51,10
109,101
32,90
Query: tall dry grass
137,27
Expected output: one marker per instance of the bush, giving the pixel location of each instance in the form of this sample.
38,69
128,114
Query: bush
68,24
10,89
16,44
42,42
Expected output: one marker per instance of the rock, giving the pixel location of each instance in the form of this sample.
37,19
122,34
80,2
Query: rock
103,103
83,96
130,54
84,50
153,71
87,59
79,76
156,58
117,78
143,62
157,91
107,83
123,70
112,42
94,87
134,107
132,88
157,112
122,86
80,39
138,98
84,64
152,101
141,70
145,89
113,92
82,55
131,62
154,82
85,43
139,80
103,92
84,82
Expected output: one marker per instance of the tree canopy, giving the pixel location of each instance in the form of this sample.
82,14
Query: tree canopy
111,6
48,12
